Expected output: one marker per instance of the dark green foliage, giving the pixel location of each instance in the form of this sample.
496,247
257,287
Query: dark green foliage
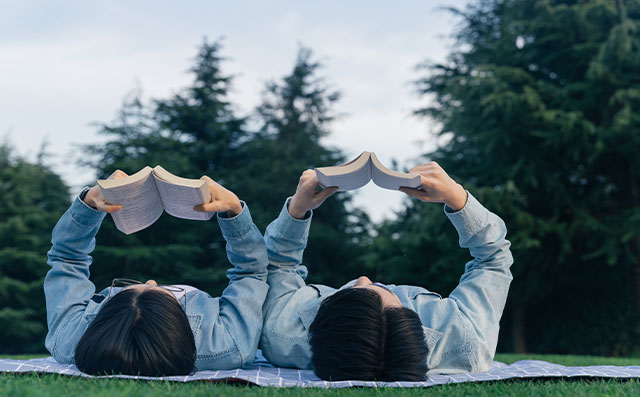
196,132
191,134
294,115
33,198
540,104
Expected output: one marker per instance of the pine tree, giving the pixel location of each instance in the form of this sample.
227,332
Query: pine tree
203,119
33,198
191,134
539,103
295,114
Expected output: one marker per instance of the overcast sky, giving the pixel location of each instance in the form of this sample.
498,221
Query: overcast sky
67,64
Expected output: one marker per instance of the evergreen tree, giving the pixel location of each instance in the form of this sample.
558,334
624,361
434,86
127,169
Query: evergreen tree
295,114
33,198
202,118
540,101
191,134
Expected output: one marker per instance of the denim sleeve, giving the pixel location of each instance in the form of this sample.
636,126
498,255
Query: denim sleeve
241,301
286,238
66,286
482,291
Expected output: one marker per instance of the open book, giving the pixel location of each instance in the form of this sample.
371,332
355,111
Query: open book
150,191
359,171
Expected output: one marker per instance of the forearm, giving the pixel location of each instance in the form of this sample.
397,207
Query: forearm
245,246
241,302
483,233
67,287
484,286
286,238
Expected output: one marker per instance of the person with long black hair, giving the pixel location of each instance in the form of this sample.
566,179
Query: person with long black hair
148,329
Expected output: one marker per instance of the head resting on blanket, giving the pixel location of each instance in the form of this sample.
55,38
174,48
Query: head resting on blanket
139,331
359,334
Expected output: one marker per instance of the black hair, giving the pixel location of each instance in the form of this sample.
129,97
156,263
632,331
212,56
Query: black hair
353,337
138,332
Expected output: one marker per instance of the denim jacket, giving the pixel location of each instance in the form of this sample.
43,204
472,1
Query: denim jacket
461,330
226,329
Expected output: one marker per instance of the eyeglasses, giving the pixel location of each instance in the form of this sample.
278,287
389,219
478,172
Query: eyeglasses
178,292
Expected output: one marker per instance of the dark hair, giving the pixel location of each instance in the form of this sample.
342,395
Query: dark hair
354,338
138,332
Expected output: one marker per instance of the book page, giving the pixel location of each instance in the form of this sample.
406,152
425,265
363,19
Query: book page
174,179
179,200
350,176
389,179
141,204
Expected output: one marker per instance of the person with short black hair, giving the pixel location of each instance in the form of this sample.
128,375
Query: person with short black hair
372,331
384,343
149,329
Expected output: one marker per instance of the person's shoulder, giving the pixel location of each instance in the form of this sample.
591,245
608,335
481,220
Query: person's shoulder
303,299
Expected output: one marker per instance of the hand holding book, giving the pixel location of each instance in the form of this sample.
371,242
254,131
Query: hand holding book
437,187
95,199
222,199
145,195
307,197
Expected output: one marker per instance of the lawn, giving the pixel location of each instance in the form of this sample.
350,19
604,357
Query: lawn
56,385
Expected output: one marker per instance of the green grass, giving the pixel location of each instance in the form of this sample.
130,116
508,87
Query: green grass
56,385
569,360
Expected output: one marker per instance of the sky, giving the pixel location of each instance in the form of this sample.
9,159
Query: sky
67,65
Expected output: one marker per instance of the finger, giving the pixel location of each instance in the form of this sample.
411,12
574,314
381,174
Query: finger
427,182
206,178
113,208
105,207
311,182
326,193
429,164
424,168
117,174
308,175
214,206
101,206
419,194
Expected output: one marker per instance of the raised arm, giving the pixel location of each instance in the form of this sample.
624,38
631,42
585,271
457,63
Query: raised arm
482,292
286,238
67,287
240,306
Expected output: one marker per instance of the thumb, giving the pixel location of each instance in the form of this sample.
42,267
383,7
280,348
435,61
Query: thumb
325,193
419,194
213,206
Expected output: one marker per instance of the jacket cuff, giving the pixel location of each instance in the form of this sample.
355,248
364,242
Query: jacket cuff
288,226
470,219
82,213
238,225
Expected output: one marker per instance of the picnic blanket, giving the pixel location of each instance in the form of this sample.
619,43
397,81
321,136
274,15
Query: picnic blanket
264,374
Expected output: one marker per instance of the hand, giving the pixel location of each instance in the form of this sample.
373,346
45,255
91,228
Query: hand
437,187
307,197
222,200
95,199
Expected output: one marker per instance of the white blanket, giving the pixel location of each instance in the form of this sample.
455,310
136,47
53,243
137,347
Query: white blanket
264,374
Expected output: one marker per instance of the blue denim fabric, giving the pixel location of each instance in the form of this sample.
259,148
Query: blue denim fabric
226,329
461,330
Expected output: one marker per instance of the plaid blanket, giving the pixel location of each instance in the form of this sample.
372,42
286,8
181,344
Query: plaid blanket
264,374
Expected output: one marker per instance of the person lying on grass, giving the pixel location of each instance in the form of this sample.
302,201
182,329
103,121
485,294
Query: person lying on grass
146,329
372,331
